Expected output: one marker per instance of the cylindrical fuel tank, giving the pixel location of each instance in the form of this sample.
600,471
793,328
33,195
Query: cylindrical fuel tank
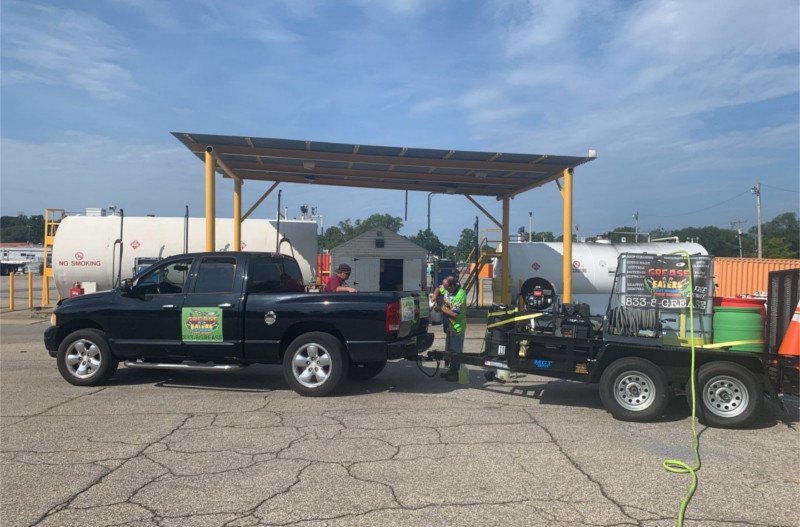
593,266
84,249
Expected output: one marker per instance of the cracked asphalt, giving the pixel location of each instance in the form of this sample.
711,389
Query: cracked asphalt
170,449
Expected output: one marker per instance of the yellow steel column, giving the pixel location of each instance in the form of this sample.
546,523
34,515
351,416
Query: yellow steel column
30,290
11,291
45,290
566,265
505,294
237,214
210,205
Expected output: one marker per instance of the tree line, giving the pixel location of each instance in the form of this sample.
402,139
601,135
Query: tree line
780,236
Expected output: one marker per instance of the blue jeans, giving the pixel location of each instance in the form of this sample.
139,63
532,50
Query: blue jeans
456,346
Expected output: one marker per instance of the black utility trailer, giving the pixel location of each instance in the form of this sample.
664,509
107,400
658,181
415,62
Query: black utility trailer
639,372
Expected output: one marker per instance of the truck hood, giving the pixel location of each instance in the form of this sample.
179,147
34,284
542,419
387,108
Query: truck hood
86,300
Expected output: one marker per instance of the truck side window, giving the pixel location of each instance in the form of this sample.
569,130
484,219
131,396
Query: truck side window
264,276
292,278
164,280
215,275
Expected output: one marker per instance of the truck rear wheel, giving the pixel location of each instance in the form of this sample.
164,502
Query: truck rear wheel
314,364
634,389
728,395
85,359
364,371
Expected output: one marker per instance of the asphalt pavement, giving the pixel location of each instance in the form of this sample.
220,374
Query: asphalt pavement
169,449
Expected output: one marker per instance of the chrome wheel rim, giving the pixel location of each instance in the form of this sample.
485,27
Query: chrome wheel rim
311,365
83,359
634,391
725,396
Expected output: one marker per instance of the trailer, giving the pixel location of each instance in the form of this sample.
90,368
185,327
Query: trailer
659,325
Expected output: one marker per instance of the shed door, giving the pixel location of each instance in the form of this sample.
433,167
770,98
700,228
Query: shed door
412,275
365,274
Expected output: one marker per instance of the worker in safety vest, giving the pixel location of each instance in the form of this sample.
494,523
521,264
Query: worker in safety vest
454,309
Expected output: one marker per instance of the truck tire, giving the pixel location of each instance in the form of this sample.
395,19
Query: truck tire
85,359
315,364
728,395
364,371
634,389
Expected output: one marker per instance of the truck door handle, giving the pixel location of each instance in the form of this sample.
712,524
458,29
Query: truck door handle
226,304
168,306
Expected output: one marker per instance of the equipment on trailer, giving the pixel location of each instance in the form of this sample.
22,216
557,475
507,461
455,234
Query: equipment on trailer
661,311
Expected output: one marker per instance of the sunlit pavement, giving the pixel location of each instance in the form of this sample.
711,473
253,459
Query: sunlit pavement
199,449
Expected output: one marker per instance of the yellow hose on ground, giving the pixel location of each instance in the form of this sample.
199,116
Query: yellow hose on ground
677,466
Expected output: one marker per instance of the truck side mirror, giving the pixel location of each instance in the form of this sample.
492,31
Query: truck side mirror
126,286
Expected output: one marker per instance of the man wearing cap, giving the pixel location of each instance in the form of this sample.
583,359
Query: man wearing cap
336,283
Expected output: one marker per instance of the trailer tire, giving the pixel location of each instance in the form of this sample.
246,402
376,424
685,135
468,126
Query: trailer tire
315,364
364,371
728,395
85,359
634,389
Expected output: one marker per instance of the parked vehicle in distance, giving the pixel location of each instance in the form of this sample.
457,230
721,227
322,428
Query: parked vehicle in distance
222,311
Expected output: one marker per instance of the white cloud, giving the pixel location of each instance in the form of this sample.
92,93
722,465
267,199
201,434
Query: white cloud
60,46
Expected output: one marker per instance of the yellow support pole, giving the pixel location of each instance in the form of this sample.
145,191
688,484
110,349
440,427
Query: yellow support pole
566,265
210,205
45,290
11,291
237,214
30,290
505,293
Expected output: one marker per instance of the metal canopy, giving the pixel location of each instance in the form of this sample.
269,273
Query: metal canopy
384,167
502,175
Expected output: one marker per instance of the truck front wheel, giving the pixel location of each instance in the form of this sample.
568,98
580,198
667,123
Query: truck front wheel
85,359
634,389
314,364
729,395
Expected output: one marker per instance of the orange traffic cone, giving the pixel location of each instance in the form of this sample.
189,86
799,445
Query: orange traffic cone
791,341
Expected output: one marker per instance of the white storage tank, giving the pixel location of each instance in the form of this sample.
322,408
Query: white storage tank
84,249
593,267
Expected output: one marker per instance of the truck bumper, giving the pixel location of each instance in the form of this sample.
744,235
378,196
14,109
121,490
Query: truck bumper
380,351
50,342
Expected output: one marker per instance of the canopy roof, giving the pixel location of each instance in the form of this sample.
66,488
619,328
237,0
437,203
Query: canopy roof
498,174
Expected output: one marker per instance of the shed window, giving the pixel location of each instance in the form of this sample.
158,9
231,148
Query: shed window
379,243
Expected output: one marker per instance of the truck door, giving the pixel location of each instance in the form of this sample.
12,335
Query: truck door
269,312
146,321
211,319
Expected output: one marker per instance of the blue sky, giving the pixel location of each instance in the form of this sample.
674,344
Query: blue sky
688,104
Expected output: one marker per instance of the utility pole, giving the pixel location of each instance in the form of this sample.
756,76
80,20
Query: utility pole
636,231
757,191
530,226
737,225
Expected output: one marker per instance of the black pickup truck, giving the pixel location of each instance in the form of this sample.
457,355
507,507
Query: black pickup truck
222,311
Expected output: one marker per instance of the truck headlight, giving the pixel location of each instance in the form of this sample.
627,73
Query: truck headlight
53,320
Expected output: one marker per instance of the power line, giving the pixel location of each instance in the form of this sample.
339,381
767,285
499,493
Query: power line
779,188
703,209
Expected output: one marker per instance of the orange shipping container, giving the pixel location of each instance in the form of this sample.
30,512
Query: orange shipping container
746,276
486,270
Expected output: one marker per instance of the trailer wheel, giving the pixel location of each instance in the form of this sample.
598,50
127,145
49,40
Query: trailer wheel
315,364
634,389
728,395
85,359
364,371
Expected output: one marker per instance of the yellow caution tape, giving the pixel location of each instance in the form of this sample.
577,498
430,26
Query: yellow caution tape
732,343
515,319
499,313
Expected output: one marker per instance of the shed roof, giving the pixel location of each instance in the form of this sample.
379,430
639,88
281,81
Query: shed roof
498,174
392,236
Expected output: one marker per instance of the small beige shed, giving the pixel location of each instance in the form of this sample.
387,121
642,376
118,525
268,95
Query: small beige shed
382,260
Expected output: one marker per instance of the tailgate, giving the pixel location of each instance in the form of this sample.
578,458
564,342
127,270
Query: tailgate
415,314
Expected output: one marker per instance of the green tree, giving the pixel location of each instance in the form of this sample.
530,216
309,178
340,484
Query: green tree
466,244
429,241
22,228
782,235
